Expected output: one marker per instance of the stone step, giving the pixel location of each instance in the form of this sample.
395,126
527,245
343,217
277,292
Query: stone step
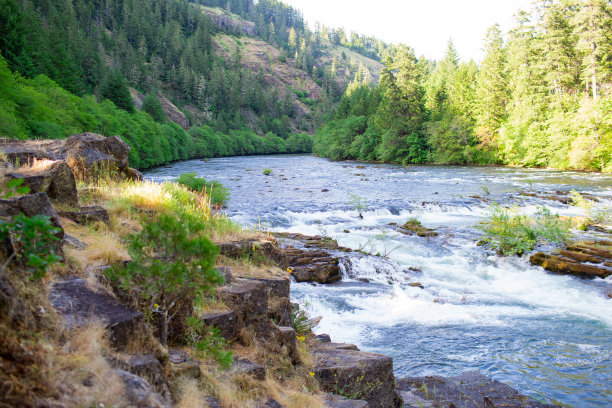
147,367
78,304
88,214
367,376
226,322
469,390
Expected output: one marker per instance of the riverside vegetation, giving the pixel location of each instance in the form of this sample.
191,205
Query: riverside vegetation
158,241
541,98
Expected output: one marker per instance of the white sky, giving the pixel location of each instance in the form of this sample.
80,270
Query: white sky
425,25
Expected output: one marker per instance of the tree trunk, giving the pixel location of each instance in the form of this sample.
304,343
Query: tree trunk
164,328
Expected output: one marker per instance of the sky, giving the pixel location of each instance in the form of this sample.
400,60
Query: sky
425,25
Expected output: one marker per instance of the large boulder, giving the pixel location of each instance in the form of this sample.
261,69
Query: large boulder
78,304
365,376
53,177
87,154
468,390
279,302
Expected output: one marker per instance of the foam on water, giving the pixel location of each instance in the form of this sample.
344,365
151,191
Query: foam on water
546,334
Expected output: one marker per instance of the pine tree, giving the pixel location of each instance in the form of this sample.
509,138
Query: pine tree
115,88
594,31
491,91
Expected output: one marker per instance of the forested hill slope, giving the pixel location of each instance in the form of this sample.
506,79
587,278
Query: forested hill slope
542,97
207,60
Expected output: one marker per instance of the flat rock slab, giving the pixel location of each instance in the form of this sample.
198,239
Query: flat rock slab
366,376
88,214
469,390
78,305
310,258
588,259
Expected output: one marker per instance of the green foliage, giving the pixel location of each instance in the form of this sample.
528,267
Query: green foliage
14,187
115,89
360,204
267,172
516,234
594,214
172,263
153,107
215,190
207,342
301,322
34,242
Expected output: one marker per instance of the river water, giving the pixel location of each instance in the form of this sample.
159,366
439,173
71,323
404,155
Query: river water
549,336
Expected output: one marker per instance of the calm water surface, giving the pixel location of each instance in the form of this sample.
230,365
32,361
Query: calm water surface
549,336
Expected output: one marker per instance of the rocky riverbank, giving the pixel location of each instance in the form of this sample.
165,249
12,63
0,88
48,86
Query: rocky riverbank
99,346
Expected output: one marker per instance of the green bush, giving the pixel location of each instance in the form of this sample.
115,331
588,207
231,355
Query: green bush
171,264
516,234
206,341
267,172
33,240
215,190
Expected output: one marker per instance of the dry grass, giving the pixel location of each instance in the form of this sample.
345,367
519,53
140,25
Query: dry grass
242,269
81,371
190,395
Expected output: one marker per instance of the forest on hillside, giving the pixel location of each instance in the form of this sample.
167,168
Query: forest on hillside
541,98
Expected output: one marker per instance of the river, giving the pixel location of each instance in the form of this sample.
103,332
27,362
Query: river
547,335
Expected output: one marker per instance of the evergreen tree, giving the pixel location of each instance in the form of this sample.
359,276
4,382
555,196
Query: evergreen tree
115,89
153,107
491,91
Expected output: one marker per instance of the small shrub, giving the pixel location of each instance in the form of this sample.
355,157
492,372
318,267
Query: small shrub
301,322
594,214
33,241
13,187
206,341
267,172
215,190
360,204
515,234
171,264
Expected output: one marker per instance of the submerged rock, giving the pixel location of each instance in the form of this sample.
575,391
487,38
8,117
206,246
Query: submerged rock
414,226
469,390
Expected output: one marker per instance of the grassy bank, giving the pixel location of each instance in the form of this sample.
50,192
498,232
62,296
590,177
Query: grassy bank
43,362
